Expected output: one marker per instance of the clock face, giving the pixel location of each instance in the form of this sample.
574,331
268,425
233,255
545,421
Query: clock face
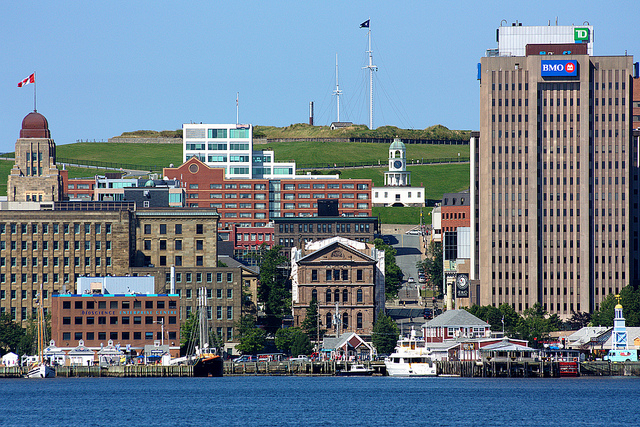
462,282
397,164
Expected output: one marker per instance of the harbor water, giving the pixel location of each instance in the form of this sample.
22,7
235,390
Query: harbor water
316,401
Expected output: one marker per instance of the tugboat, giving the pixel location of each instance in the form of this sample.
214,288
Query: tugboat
411,358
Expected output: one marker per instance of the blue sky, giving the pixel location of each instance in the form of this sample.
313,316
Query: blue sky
103,68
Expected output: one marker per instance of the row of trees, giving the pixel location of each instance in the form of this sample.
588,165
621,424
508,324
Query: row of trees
535,323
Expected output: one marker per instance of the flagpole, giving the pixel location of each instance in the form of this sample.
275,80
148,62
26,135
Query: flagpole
237,97
34,92
371,68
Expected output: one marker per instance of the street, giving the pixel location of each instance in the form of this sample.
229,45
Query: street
408,254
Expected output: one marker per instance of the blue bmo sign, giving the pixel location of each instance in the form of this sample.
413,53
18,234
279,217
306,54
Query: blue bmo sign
559,68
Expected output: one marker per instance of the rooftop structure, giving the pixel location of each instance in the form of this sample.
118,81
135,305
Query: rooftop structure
230,146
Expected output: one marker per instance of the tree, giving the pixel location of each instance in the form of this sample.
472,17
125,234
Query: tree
11,334
189,334
432,266
577,320
272,290
310,322
630,301
251,339
392,273
489,314
301,344
534,323
284,339
385,334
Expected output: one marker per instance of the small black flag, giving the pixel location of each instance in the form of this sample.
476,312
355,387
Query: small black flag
365,24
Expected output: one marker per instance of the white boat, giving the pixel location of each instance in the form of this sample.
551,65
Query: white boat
39,367
411,358
41,371
355,370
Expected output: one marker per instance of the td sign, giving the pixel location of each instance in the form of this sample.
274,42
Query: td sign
581,35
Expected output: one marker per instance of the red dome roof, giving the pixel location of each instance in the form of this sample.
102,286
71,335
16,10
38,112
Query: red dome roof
34,125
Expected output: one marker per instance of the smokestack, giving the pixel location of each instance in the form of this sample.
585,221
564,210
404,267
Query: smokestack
173,280
311,113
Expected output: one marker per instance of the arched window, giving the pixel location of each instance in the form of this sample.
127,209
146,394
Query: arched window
345,322
359,321
345,295
328,295
336,296
314,295
359,295
329,319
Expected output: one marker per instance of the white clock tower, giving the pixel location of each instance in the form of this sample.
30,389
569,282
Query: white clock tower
397,175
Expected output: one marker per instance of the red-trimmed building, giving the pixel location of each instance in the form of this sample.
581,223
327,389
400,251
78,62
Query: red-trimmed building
253,202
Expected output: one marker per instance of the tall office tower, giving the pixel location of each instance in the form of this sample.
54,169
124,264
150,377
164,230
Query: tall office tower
552,172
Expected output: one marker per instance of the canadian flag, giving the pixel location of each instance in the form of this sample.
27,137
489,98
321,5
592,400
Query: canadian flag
30,79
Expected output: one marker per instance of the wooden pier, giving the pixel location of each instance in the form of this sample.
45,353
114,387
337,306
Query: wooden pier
505,369
323,368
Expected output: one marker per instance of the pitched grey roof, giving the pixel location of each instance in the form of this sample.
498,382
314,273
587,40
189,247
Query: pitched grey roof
455,318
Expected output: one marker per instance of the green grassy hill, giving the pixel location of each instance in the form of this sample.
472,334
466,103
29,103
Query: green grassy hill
304,130
317,154
437,179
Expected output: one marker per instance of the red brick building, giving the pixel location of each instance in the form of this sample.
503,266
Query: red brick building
456,211
252,202
135,320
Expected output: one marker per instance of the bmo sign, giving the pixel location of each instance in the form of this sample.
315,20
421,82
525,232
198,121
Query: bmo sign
559,68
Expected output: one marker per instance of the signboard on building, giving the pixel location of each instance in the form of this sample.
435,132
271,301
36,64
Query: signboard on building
581,35
559,68
462,286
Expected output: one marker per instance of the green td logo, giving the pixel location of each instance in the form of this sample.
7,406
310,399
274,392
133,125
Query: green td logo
581,34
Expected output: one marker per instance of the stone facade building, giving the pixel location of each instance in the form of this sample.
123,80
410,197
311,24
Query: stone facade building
34,176
345,277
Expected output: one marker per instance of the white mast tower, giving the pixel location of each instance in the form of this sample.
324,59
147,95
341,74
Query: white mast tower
371,68
337,92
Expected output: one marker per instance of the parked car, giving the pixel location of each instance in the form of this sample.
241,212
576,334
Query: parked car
422,279
300,358
245,358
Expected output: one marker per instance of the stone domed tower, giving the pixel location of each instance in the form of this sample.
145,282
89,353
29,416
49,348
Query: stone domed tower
397,175
35,177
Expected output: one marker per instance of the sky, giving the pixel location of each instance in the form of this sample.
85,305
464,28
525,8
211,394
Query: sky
103,68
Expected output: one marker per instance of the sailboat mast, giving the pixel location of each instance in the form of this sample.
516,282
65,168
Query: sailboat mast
40,321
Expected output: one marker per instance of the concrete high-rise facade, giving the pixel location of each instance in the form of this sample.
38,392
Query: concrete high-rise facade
552,179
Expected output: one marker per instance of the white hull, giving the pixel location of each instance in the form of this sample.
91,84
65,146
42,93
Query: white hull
41,371
410,369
